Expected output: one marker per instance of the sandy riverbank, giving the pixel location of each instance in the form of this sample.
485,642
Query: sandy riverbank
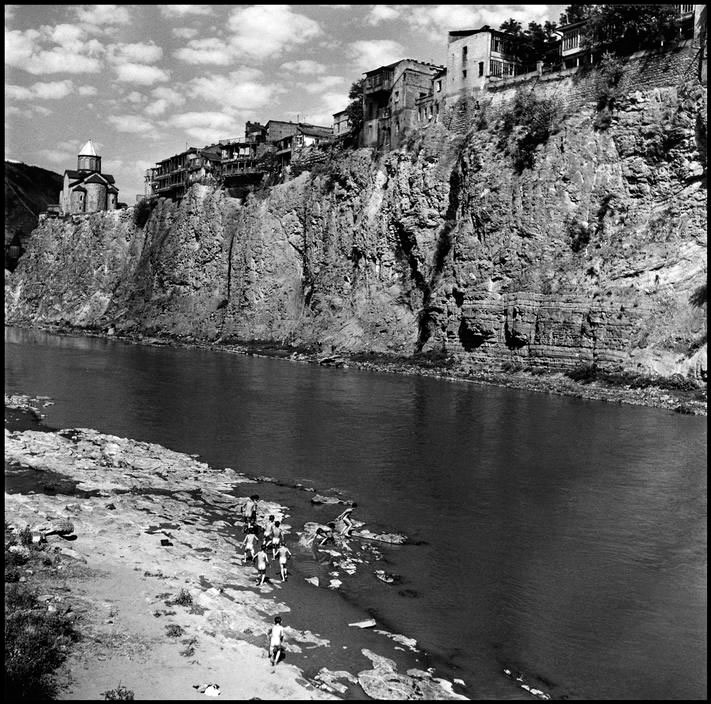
151,523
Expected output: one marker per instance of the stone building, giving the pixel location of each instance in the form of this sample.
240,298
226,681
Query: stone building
475,57
86,189
389,101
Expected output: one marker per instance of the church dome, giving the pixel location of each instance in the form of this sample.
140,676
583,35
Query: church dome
88,149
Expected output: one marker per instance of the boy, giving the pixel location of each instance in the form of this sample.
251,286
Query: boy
276,538
262,560
250,546
276,641
284,554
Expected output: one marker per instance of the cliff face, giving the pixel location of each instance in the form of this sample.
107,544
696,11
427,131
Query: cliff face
594,252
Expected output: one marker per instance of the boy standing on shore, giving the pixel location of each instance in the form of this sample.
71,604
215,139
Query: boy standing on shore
276,641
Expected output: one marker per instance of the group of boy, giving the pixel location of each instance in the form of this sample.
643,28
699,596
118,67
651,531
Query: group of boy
271,540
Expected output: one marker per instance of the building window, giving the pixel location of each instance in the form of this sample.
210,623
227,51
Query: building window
495,68
464,53
496,44
464,73
397,96
481,68
438,86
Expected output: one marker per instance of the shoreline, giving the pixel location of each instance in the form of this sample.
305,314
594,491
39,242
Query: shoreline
124,498
682,401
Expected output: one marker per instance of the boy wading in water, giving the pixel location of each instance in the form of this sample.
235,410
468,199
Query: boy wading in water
345,518
262,560
276,641
284,554
276,538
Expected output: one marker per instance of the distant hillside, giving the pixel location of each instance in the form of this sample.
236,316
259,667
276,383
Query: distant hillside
28,191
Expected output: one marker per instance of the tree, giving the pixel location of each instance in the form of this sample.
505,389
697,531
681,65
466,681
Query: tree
535,43
355,107
623,29
575,13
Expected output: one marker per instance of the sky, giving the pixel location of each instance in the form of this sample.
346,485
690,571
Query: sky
145,81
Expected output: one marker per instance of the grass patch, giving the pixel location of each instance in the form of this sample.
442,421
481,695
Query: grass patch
36,644
587,373
120,693
173,630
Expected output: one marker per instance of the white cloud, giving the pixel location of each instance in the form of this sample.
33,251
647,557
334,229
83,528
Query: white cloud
207,127
382,13
323,83
329,103
87,90
25,50
437,20
172,96
140,74
210,50
170,11
262,31
184,32
136,98
57,156
304,66
94,17
133,124
140,52
206,135
371,54
40,91
240,90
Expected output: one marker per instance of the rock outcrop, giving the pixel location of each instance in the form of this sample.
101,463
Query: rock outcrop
594,253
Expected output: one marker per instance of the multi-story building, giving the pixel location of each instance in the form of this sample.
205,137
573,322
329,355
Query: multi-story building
304,136
341,123
86,189
389,101
476,57
173,176
430,106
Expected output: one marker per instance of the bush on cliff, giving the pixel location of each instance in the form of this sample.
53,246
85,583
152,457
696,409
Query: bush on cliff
142,211
527,124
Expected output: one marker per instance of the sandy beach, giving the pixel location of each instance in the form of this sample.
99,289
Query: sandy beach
151,527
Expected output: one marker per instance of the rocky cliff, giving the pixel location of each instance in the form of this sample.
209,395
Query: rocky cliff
592,251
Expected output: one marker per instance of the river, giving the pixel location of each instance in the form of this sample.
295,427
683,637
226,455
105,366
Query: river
564,537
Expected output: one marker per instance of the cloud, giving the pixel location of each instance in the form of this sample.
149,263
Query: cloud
71,53
240,90
140,52
329,103
206,51
323,83
140,74
382,13
87,90
207,135
262,31
208,127
133,124
40,91
57,156
94,17
437,20
184,32
136,98
170,95
304,66
171,11
371,54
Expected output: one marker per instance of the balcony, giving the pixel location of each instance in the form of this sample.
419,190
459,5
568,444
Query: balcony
379,82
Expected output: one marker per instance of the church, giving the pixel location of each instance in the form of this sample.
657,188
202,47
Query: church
87,190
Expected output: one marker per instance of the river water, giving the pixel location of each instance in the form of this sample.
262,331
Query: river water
563,537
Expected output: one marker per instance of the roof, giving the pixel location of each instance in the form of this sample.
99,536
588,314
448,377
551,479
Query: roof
88,149
395,63
316,131
455,34
84,176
